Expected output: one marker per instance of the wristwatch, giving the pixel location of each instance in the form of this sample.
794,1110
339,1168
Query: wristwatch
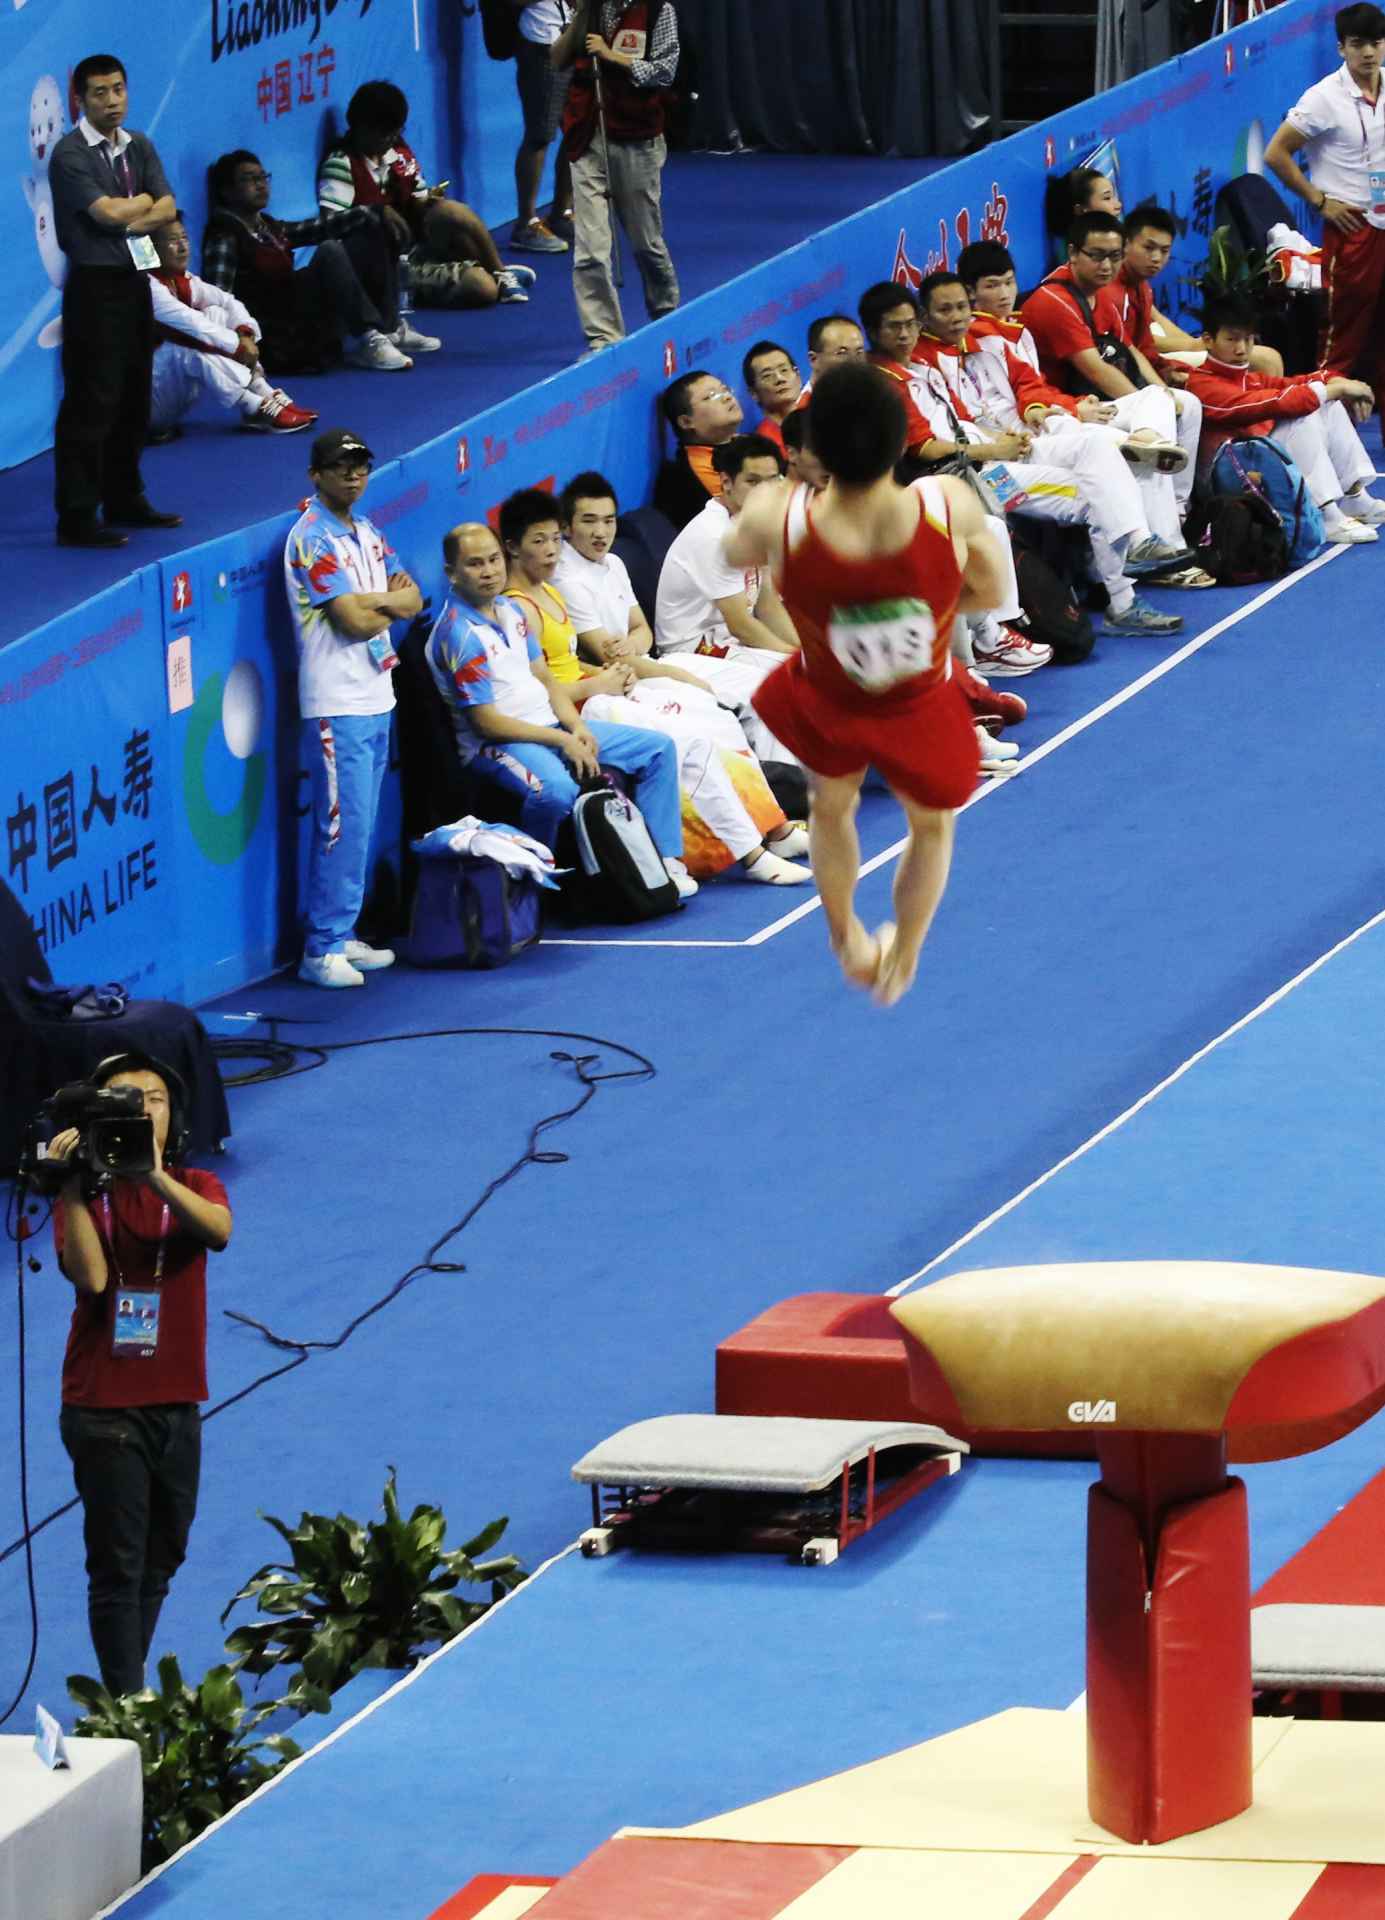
1323,202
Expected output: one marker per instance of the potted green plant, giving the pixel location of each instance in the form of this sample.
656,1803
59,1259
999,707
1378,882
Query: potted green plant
353,1596
201,1750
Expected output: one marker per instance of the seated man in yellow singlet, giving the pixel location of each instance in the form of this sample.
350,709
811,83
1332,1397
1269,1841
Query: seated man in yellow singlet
729,814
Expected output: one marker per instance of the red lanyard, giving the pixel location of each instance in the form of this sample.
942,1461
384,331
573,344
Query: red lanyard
1365,130
108,1222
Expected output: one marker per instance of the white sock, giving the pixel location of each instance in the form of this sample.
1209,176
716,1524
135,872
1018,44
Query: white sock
1122,598
1332,514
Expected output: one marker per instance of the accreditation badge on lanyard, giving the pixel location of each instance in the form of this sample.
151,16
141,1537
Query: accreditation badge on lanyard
135,1324
1375,175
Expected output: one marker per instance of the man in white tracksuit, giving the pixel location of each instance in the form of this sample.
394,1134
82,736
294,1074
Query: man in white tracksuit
208,346
1063,468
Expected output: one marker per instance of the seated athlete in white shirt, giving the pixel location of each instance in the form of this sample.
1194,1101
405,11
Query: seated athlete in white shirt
730,618
208,344
729,813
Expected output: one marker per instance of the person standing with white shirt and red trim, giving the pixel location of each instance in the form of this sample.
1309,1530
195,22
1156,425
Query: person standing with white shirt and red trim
1339,125
344,595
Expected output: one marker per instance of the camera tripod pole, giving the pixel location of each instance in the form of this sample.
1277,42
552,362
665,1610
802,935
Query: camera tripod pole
617,258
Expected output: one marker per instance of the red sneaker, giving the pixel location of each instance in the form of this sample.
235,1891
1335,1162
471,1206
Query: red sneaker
1006,708
278,414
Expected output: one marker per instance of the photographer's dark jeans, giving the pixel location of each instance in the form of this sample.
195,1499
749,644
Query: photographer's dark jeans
136,1469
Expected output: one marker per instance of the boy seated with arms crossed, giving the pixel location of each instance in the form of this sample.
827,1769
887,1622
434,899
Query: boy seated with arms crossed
208,343
1308,414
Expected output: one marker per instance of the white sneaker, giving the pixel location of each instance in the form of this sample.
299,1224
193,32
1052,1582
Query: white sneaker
681,879
329,970
1007,653
1164,456
773,871
792,845
1345,532
997,756
377,354
1364,507
409,340
368,959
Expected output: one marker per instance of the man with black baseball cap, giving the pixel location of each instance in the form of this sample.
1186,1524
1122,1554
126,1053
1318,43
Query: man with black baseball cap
344,597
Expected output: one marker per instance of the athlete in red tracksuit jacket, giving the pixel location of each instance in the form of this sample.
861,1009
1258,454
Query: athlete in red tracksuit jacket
1304,413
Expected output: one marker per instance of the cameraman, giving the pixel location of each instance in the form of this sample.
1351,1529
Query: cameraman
136,1367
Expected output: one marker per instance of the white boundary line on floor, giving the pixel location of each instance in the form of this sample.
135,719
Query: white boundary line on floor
1030,760
642,943
336,1734
1113,1126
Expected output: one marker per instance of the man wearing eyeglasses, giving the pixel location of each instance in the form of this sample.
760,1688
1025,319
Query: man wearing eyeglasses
1071,320
704,415
347,295
344,595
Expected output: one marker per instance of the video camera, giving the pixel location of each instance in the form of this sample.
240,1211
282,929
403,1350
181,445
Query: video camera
115,1137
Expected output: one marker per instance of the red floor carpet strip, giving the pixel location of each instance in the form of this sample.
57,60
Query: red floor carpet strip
1048,1902
1344,1893
642,1879
1343,1565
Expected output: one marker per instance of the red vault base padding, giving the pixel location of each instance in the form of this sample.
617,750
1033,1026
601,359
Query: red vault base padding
842,1356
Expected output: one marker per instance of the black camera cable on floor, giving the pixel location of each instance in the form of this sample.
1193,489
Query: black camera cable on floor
21,1232
277,1059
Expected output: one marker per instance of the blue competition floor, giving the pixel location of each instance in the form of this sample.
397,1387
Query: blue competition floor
1168,861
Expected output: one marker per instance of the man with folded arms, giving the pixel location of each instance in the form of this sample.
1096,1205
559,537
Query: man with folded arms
109,196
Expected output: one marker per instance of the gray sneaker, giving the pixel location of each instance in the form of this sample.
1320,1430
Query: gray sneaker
377,353
535,236
1140,617
1152,555
409,340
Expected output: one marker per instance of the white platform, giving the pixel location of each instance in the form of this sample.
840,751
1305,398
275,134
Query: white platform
69,1840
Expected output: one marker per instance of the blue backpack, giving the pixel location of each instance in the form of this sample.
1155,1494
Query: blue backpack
1262,469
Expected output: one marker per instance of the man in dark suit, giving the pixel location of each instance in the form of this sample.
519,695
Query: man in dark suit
109,196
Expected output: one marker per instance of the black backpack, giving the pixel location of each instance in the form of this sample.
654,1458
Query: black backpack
1053,613
500,29
1110,346
620,875
1238,539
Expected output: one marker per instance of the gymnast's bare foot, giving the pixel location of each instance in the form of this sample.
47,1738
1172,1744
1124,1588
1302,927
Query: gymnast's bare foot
858,954
897,968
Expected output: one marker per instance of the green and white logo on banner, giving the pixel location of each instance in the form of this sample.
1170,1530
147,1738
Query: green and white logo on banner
235,704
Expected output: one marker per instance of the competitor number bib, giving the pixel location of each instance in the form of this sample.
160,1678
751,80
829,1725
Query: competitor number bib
883,642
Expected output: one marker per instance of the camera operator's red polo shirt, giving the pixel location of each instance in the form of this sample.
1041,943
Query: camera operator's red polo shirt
92,1376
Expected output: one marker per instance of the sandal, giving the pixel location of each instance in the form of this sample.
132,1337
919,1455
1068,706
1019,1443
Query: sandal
1186,577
